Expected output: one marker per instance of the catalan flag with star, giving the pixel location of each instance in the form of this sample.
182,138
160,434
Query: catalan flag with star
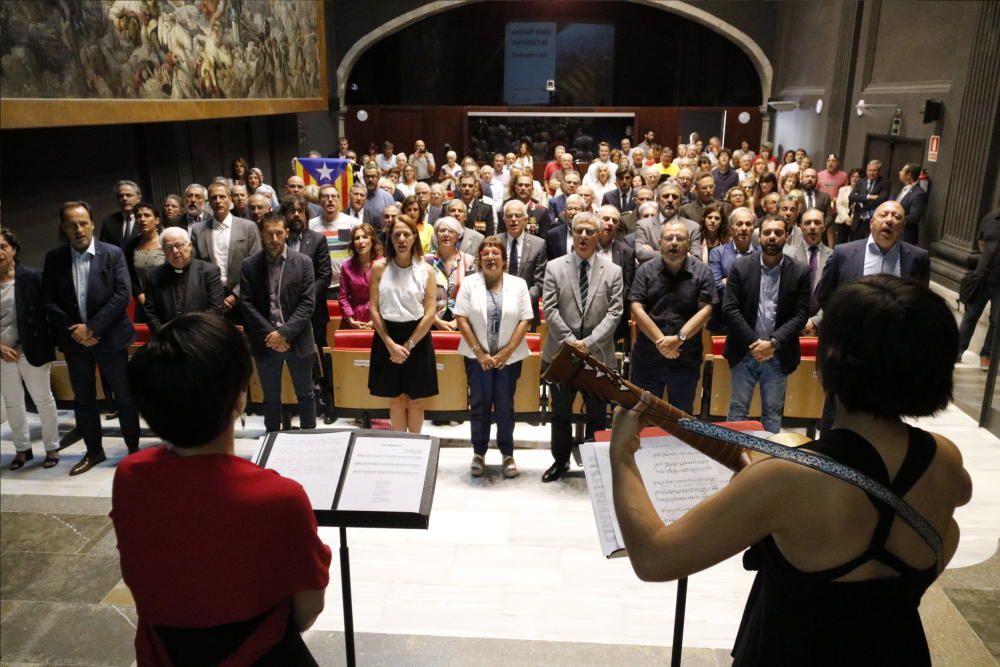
322,171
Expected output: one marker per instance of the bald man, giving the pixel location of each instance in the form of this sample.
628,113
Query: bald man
296,186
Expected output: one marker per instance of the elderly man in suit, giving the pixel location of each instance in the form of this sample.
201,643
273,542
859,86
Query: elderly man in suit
868,194
814,255
481,217
182,284
913,199
87,291
582,300
559,238
765,306
525,252
279,295
225,240
671,301
647,234
120,228
620,253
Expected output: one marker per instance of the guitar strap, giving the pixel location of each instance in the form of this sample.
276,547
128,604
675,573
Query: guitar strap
827,466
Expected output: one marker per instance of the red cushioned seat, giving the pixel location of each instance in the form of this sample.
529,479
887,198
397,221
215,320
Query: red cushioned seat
333,308
142,334
534,343
718,345
446,341
807,345
353,339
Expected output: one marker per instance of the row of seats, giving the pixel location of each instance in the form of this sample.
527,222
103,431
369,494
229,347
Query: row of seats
348,363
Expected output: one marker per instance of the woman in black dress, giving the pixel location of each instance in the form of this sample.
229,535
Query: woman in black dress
840,576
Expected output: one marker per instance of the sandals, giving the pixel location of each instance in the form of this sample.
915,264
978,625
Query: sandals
50,462
509,467
20,459
478,466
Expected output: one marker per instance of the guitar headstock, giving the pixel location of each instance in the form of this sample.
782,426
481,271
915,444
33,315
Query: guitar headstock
588,374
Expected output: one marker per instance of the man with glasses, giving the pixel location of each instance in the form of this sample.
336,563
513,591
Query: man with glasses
671,301
570,182
182,284
582,300
525,252
620,253
647,234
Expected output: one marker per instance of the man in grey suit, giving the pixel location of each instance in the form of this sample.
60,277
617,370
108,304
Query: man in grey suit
278,298
582,299
647,234
225,240
814,255
525,252
181,284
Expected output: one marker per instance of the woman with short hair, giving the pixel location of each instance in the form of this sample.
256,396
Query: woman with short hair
450,266
222,557
840,576
493,312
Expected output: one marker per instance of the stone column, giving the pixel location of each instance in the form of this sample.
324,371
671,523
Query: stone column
838,107
974,144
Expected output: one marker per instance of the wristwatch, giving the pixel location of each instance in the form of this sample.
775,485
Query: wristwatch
682,336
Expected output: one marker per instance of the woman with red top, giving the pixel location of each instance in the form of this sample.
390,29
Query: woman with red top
222,557
355,278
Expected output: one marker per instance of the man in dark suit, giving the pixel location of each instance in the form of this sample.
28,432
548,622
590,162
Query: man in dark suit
525,252
883,251
195,199
279,291
623,196
119,228
867,195
695,210
620,253
181,284
808,178
538,220
913,199
559,238
813,254
571,181
481,217
313,245
356,207
225,240
87,292
765,306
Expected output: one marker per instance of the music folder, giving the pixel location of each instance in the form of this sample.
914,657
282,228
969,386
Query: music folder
358,478
676,476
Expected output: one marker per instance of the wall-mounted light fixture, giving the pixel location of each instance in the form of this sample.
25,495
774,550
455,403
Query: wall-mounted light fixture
862,107
782,105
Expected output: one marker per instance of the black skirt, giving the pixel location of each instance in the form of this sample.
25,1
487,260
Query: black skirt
416,377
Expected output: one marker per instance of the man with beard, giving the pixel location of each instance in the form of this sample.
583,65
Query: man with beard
671,301
649,231
195,197
814,197
765,307
181,284
313,245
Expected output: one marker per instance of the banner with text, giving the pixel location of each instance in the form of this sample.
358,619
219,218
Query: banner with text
529,61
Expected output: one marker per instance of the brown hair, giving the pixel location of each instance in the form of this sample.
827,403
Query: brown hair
491,242
415,248
377,248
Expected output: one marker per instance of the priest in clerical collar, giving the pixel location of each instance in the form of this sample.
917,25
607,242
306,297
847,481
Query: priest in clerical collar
182,284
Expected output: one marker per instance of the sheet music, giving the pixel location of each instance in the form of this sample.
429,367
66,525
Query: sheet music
677,477
314,460
600,497
385,474
603,452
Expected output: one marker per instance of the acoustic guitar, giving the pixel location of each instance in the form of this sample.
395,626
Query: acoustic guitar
589,375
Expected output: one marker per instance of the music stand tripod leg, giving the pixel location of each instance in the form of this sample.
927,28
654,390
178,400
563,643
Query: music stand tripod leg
678,645
345,587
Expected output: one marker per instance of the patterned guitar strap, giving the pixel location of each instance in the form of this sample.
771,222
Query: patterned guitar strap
827,466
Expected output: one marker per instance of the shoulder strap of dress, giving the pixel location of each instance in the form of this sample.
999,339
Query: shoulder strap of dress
830,467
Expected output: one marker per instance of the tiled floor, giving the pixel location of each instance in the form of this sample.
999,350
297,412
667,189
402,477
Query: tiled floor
509,573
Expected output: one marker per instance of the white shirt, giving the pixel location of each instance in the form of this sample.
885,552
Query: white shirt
878,262
81,274
221,232
318,224
401,291
385,163
591,176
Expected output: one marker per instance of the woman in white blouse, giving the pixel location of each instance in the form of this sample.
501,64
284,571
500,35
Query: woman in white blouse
493,311
843,220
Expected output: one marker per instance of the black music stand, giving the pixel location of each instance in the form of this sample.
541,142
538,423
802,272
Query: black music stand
344,519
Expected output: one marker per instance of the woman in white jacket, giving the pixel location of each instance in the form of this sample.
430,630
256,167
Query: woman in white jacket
493,311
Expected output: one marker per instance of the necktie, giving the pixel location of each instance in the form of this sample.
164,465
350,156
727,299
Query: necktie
811,202
127,232
584,280
512,260
813,265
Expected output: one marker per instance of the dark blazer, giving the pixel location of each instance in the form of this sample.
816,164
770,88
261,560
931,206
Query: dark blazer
33,331
739,308
531,264
823,203
539,216
624,256
860,204
433,213
914,204
555,241
482,212
313,245
112,229
614,197
203,292
556,206
108,294
297,300
847,264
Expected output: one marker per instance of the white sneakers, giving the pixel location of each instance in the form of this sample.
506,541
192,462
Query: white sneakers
478,466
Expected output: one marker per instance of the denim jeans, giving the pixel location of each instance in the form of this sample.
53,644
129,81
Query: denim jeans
491,393
973,312
655,374
744,377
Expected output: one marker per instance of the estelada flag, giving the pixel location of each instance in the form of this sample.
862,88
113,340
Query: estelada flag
322,171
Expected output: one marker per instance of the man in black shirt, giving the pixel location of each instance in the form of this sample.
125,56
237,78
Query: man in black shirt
671,302
181,284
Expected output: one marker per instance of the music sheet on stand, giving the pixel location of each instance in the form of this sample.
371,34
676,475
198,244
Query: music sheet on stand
385,475
314,460
676,476
600,492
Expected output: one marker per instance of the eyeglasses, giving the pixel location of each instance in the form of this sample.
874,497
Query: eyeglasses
584,231
170,247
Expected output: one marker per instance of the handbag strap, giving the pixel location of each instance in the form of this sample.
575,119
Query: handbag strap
830,467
